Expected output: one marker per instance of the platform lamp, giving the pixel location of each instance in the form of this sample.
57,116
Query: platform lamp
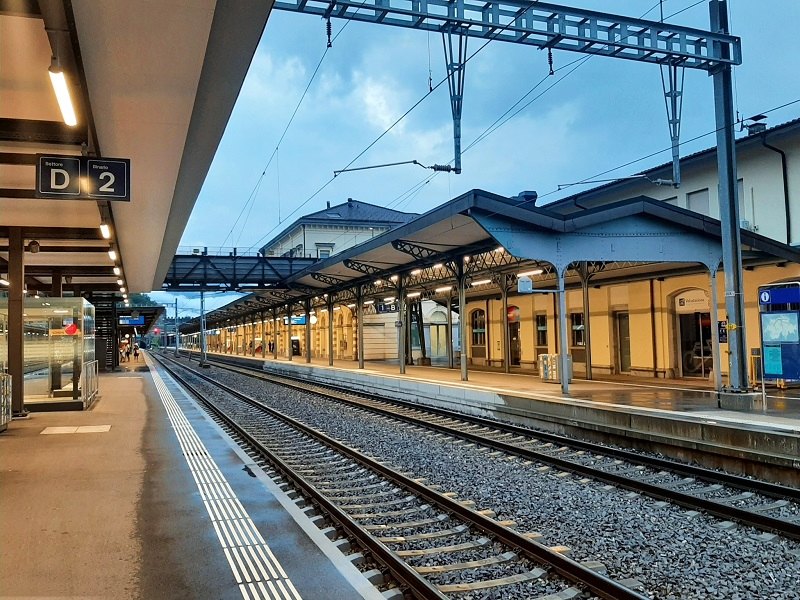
60,87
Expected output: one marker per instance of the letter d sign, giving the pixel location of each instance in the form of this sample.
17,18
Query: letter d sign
58,177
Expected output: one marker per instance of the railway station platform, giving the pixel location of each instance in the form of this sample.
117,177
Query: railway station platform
143,496
680,419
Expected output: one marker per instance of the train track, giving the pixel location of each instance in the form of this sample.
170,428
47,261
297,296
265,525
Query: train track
405,524
767,506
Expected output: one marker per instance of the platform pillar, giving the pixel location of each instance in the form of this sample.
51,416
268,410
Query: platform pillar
16,350
587,329
307,308
449,332
263,335
715,354
462,317
289,332
563,345
506,338
360,325
56,291
330,331
401,323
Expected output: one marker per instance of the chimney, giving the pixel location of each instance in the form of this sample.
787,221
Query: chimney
328,203
527,197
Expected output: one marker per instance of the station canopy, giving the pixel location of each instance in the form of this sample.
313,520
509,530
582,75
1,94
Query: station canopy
497,240
154,83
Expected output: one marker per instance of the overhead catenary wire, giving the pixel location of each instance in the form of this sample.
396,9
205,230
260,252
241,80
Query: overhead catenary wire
388,129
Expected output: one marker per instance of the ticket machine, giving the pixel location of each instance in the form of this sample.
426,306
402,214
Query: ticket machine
779,317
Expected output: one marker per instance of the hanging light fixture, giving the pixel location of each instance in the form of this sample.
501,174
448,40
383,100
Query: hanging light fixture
60,87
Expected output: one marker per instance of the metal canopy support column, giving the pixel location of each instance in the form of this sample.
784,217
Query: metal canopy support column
728,204
455,55
289,332
263,334
177,333
506,337
583,270
307,308
275,334
716,363
402,322
461,279
563,338
203,353
330,331
16,350
449,333
360,317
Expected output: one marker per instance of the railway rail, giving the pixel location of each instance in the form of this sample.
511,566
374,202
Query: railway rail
404,524
767,506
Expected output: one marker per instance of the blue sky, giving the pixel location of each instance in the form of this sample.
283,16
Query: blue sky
604,114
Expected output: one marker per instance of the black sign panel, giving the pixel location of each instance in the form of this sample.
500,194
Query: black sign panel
81,177
58,177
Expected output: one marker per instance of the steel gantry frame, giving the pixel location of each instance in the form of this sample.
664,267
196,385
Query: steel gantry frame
550,26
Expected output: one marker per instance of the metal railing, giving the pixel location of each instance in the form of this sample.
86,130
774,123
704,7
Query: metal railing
90,378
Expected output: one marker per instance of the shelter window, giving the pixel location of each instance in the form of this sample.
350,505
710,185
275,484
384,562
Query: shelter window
478,323
698,201
324,253
541,330
578,329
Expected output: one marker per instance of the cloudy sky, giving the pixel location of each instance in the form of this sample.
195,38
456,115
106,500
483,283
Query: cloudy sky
591,116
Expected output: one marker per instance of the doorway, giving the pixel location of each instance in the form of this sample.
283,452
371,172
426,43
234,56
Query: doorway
513,338
696,348
623,341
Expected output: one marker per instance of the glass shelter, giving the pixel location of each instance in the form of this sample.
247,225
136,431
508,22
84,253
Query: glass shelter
60,370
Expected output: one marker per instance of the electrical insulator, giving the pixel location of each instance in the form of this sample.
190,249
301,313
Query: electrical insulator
443,168
328,28
550,60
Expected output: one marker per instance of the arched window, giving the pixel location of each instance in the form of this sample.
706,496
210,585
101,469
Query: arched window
478,324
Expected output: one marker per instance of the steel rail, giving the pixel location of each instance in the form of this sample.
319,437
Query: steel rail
719,509
399,569
563,565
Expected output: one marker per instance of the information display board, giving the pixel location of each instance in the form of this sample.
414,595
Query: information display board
779,306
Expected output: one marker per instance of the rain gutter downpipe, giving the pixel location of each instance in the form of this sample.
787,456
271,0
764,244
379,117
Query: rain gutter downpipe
785,174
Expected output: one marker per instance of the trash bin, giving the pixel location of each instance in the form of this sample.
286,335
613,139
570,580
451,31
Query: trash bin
550,365
295,347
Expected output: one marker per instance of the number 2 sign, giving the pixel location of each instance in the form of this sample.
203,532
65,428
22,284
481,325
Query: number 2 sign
81,177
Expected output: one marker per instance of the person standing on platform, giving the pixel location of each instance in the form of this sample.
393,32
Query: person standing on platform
136,352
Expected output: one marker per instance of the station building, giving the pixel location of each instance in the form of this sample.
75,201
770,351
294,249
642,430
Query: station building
648,308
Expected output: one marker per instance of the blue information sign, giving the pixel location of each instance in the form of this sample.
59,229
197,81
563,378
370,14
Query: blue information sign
132,321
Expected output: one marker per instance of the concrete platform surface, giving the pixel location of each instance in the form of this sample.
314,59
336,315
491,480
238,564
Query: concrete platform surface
143,496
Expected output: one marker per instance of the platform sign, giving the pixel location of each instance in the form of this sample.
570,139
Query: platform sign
386,307
722,331
82,178
131,320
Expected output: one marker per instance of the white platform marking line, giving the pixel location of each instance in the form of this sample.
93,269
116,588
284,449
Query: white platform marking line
235,530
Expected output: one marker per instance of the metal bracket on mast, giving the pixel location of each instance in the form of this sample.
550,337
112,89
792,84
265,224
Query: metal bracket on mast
672,84
455,56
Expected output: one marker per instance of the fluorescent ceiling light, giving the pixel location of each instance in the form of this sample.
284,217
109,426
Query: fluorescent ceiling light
105,231
389,299
529,273
481,282
444,289
369,302
112,255
119,281
413,294
438,266
117,270
4,281
416,271
62,94
122,289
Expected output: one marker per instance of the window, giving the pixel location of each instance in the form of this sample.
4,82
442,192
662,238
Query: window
541,330
578,332
698,201
478,322
324,253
